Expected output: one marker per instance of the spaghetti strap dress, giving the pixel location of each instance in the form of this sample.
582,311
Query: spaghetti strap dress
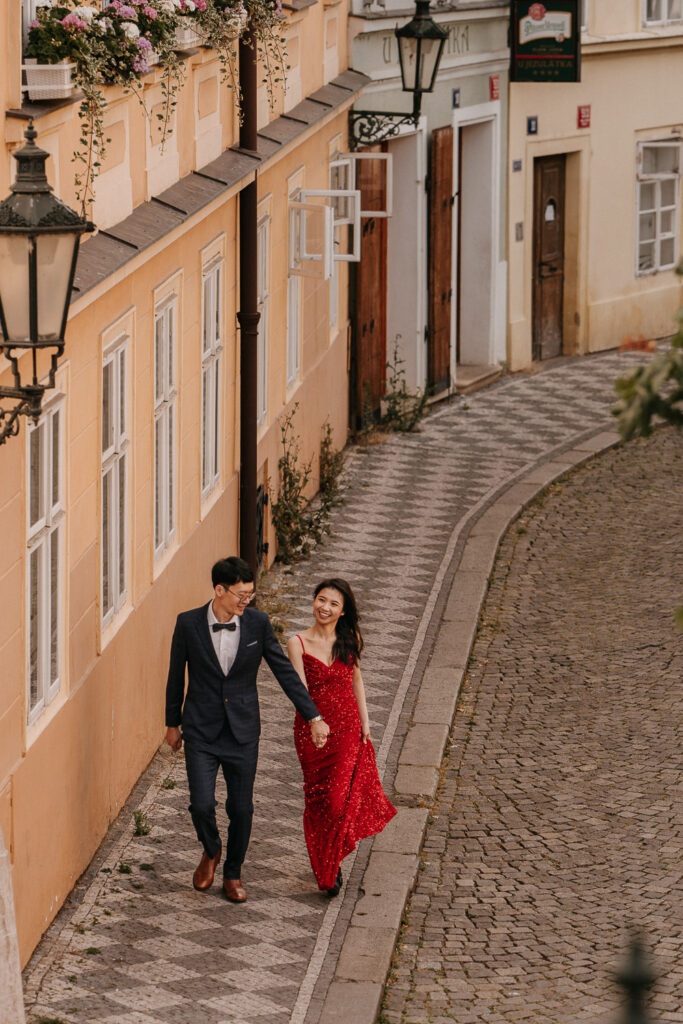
344,799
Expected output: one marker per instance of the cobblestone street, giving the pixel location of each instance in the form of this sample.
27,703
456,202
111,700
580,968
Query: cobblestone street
547,824
557,823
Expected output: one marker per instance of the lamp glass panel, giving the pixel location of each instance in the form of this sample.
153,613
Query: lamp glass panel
14,252
54,257
429,55
409,50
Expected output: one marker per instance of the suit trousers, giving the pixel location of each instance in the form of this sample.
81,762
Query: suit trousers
238,763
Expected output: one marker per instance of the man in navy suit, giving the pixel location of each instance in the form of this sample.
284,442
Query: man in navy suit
222,644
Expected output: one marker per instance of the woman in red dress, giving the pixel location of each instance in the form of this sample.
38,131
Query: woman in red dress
345,801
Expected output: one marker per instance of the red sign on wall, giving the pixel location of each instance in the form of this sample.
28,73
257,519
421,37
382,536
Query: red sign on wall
583,117
494,87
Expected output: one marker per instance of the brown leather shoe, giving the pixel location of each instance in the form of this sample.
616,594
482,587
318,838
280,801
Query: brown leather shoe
234,890
206,869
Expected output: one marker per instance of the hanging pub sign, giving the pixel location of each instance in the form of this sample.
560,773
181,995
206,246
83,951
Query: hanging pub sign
545,41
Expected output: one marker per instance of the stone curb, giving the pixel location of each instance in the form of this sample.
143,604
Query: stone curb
356,990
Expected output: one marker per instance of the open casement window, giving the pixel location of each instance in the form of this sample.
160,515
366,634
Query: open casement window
658,170
345,205
345,169
311,239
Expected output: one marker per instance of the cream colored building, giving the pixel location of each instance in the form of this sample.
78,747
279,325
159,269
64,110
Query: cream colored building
594,169
114,507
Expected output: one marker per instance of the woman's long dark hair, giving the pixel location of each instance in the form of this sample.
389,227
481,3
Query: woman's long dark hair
349,642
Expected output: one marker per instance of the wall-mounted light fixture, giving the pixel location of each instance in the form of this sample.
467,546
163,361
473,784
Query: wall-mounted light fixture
39,239
420,46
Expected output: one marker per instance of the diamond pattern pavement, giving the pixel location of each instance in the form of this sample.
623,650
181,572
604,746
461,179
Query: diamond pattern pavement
135,944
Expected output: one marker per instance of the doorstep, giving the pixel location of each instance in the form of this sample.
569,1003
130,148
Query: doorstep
471,377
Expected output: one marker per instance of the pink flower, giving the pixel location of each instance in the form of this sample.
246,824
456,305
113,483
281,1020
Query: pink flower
73,21
150,12
34,24
140,65
200,5
143,43
127,12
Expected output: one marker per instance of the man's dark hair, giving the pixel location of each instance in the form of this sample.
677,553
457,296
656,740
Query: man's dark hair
231,570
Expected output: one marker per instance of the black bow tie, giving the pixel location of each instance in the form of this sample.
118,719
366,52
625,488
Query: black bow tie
224,625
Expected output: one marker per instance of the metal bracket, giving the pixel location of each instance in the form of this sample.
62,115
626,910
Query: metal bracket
368,127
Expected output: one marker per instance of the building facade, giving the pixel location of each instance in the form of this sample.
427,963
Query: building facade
431,286
594,189
116,504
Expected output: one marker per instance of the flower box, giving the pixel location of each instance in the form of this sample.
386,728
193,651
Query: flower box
153,58
186,35
48,81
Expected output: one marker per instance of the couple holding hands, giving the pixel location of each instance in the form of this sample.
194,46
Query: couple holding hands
222,644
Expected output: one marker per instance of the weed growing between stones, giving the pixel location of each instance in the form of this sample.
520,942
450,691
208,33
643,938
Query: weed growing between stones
403,409
300,524
141,824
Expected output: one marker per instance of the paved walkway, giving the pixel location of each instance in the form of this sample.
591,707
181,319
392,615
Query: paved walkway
557,822
140,946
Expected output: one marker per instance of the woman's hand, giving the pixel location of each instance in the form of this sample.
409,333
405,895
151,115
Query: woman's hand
365,731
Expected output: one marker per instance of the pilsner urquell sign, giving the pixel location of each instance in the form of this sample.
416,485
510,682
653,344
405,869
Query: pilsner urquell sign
545,41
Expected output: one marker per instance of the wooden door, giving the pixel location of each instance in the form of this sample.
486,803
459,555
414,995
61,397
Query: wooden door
440,258
371,295
548,286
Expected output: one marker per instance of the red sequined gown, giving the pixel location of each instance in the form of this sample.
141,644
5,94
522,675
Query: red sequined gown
345,801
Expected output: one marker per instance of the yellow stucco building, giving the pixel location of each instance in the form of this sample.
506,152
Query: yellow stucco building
594,221
114,507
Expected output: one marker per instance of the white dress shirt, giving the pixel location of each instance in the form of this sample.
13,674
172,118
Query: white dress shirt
225,641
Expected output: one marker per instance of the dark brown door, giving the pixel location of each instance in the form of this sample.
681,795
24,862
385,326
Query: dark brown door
440,259
371,294
548,288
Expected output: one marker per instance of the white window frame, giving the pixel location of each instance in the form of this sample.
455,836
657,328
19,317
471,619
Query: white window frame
115,468
293,329
664,17
345,204
165,424
44,617
262,298
212,375
302,261
584,15
656,180
352,160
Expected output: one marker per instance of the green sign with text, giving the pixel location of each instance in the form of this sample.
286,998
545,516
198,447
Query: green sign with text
545,41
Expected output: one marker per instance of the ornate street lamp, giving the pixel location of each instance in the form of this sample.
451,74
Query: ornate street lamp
39,238
420,46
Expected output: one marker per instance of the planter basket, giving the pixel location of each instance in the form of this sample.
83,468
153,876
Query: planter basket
48,81
153,58
186,36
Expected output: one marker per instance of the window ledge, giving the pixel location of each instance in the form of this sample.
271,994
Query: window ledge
38,727
210,499
108,632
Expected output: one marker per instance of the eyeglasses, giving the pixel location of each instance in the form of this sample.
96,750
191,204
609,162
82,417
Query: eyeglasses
242,598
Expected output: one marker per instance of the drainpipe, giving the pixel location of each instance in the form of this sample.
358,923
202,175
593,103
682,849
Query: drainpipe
11,992
248,315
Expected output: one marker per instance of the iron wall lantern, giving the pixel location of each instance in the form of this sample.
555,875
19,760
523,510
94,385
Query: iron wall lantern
420,47
39,239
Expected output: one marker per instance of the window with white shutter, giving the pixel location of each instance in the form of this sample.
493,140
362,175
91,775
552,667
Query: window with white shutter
658,169
165,426
115,458
45,535
212,349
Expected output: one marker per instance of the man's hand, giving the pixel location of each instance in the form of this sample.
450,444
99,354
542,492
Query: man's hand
174,737
319,733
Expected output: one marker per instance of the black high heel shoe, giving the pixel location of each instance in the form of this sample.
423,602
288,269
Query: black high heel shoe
334,891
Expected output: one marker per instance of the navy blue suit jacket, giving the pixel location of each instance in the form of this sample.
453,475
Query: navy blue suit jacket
213,697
